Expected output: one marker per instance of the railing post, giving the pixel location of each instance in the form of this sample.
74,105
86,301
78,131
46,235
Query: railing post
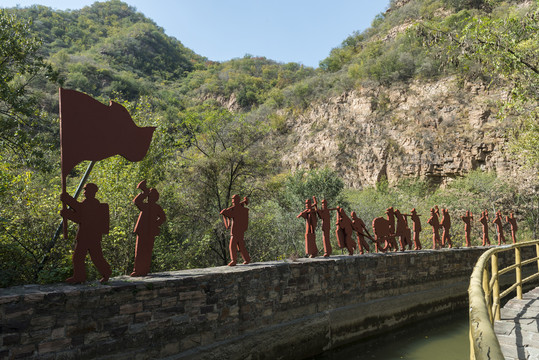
487,292
496,286
537,255
518,271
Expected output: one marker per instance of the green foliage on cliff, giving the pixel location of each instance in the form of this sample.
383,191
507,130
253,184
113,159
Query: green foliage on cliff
501,46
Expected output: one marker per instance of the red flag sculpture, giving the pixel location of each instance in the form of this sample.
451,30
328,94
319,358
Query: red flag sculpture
90,130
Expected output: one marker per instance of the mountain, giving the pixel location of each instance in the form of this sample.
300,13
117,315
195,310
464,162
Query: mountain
381,105
109,48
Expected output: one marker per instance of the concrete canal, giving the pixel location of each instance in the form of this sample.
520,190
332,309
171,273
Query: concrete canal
441,338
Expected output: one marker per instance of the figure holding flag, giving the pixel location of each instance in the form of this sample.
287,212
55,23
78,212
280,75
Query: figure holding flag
92,131
93,219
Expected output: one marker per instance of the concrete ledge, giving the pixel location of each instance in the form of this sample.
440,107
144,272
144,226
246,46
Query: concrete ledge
273,310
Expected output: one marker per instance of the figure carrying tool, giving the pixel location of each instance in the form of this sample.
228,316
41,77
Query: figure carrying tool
417,228
236,218
467,218
513,223
344,231
499,227
147,228
484,222
435,223
324,215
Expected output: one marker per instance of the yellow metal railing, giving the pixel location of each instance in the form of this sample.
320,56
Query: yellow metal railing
484,297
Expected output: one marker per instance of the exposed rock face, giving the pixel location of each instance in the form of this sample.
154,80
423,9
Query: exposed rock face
437,130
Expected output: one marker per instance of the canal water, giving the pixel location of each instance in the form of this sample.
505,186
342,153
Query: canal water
440,338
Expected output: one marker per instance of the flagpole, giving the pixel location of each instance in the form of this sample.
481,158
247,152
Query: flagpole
63,224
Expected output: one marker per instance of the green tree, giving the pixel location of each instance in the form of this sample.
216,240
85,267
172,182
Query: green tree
222,156
20,64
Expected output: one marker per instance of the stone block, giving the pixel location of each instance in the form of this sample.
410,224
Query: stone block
17,310
58,333
146,295
170,349
152,304
81,328
11,339
131,308
95,337
192,295
143,316
42,322
53,346
25,351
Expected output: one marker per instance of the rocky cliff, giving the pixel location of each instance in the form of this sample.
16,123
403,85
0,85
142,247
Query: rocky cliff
437,130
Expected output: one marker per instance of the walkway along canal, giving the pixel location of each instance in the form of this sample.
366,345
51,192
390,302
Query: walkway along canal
281,309
486,293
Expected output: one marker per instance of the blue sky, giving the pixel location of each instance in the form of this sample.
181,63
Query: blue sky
302,31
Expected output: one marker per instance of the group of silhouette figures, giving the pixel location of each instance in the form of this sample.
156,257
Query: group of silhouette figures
93,219
387,229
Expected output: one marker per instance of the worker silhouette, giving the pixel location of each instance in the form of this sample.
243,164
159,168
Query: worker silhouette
236,218
403,231
467,218
513,223
93,219
325,216
435,223
417,229
499,227
361,231
390,212
147,227
484,222
446,224
311,220
344,231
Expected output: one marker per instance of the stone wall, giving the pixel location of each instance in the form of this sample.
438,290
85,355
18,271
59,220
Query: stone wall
274,310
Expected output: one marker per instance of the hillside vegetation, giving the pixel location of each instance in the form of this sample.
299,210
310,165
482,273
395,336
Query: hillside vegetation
435,92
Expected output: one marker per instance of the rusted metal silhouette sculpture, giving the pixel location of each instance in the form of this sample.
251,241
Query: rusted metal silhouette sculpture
435,223
325,216
93,219
513,223
390,212
417,228
147,227
90,130
361,231
484,222
446,225
310,215
403,231
236,218
499,227
384,239
467,218
344,231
